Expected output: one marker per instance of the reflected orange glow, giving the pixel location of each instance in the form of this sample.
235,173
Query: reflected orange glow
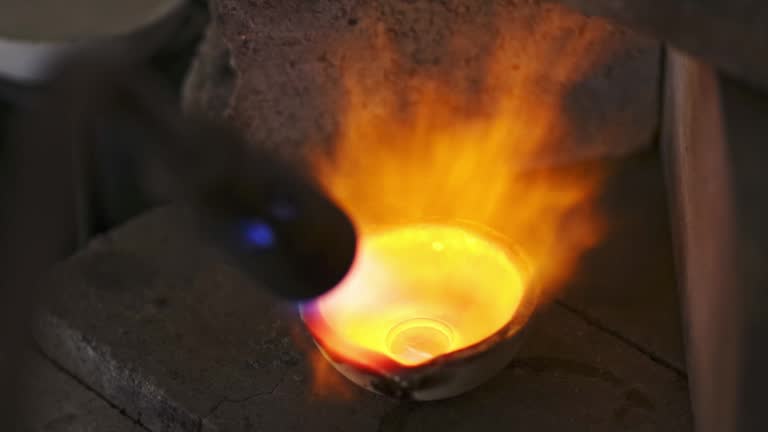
324,381
415,170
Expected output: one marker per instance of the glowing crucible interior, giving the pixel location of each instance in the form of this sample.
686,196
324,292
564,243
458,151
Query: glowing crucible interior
417,292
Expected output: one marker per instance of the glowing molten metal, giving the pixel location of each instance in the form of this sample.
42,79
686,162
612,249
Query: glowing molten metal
421,291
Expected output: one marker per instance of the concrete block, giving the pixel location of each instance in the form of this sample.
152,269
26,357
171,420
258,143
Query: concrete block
155,321
56,402
291,58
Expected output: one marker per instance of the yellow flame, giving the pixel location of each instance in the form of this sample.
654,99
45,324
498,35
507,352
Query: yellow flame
417,292
441,157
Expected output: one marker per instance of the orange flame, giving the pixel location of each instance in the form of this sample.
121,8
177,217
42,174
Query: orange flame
411,168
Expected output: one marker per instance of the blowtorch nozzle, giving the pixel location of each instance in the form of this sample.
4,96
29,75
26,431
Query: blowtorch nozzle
267,214
291,237
264,212
131,149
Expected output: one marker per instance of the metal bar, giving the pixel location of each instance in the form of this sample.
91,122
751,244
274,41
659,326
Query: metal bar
714,142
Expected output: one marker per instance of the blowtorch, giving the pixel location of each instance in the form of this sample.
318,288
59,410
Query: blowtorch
130,148
102,141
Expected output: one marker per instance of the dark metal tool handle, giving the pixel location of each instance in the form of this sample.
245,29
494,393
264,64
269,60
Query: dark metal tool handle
112,118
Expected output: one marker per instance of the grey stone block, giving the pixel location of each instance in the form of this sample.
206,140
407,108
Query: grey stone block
210,81
290,59
159,325
56,402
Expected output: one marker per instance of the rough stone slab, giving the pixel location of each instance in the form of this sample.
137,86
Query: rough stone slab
55,402
568,377
155,322
726,33
628,283
290,59
159,325
210,80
